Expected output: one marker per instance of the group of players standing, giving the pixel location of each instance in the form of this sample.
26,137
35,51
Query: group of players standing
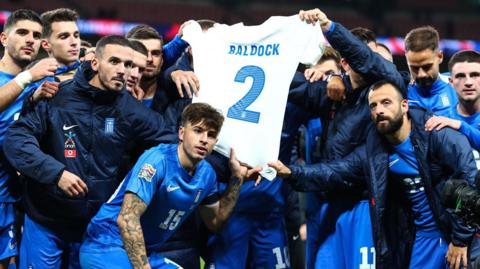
71,130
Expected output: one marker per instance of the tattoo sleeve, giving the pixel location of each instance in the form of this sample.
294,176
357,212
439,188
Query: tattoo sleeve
228,202
131,231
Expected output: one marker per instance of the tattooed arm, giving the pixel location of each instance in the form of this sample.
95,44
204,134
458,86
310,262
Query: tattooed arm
132,235
215,215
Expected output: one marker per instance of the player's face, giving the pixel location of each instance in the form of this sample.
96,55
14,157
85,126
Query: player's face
22,41
155,57
387,109
139,64
424,66
465,78
328,67
197,140
113,66
64,42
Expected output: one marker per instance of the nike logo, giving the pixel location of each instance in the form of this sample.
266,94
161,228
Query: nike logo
393,162
295,237
171,188
66,128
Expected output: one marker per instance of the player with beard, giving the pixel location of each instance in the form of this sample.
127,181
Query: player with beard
339,233
424,57
160,57
405,167
21,40
69,149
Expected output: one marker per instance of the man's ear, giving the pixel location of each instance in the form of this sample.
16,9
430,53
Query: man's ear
3,38
95,63
181,132
345,65
440,56
46,45
404,105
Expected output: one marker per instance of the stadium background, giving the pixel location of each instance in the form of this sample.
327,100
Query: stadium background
456,20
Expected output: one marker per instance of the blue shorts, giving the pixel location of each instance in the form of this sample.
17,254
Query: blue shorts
429,251
96,256
349,244
8,238
260,239
43,248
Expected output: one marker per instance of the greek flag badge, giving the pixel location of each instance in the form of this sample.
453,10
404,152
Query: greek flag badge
445,100
109,125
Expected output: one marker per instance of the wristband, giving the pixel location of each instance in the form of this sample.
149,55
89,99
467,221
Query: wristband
329,77
23,79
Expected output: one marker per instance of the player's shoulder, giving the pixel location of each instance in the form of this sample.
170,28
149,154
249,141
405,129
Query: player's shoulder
155,161
160,153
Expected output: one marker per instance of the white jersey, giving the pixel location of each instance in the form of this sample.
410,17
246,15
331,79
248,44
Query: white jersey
246,71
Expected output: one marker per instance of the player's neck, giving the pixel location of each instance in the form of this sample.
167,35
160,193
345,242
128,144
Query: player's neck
466,108
185,161
9,66
61,62
149,86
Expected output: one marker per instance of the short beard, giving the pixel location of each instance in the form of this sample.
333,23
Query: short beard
22,63
426,82
393,126
150,77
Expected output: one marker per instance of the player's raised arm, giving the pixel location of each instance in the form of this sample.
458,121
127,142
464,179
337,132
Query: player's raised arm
131,230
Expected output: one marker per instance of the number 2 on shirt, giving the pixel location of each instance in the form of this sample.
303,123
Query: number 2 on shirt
239,110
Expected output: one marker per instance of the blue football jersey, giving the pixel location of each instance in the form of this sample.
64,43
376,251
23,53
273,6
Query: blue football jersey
170,193
147,102
439,98
7,117
404,167
470,127
473,120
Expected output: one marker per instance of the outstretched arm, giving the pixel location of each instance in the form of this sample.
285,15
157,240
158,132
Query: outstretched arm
329,176
131,230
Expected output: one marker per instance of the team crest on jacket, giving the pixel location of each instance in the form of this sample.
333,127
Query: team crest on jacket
147,172
109,125
70,149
